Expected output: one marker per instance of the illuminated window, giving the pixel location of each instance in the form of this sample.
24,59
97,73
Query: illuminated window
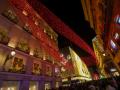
56,70
118,19
113,47
33,85
27,28
45,31
10,15
116,36
36,22
25,13
112,44
63,69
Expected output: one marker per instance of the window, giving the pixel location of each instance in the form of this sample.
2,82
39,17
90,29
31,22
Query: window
116,36
113,45
10,15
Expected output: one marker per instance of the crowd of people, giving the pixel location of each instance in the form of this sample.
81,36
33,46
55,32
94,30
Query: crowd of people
102,84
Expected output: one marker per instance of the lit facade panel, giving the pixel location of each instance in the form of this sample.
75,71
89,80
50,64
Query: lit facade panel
10,85
87,9
99,52
80,67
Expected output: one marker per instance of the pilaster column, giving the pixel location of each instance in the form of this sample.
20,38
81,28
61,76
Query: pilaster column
1,81
24,85
41,85
28,67
53,83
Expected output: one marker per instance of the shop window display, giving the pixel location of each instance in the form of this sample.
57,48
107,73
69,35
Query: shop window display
48,70
23,46
3,56
4,39
36,69
10,85
14,64
47,86
37,53
18,65
48,58
33,85
26,28
57,71
57,84
10,15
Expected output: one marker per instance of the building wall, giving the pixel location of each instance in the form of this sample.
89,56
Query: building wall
24,63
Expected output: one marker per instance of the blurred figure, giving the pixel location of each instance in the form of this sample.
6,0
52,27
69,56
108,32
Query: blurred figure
111,84
118,82
92,87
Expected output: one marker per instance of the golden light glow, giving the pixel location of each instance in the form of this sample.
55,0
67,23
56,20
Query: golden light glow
33,85
98,49
32,52
12,43
79,78
80,67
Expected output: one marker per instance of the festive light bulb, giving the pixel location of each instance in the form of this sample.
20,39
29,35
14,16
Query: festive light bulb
103,54
13,53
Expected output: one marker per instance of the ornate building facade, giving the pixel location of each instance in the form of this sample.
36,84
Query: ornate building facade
103,16
29,53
